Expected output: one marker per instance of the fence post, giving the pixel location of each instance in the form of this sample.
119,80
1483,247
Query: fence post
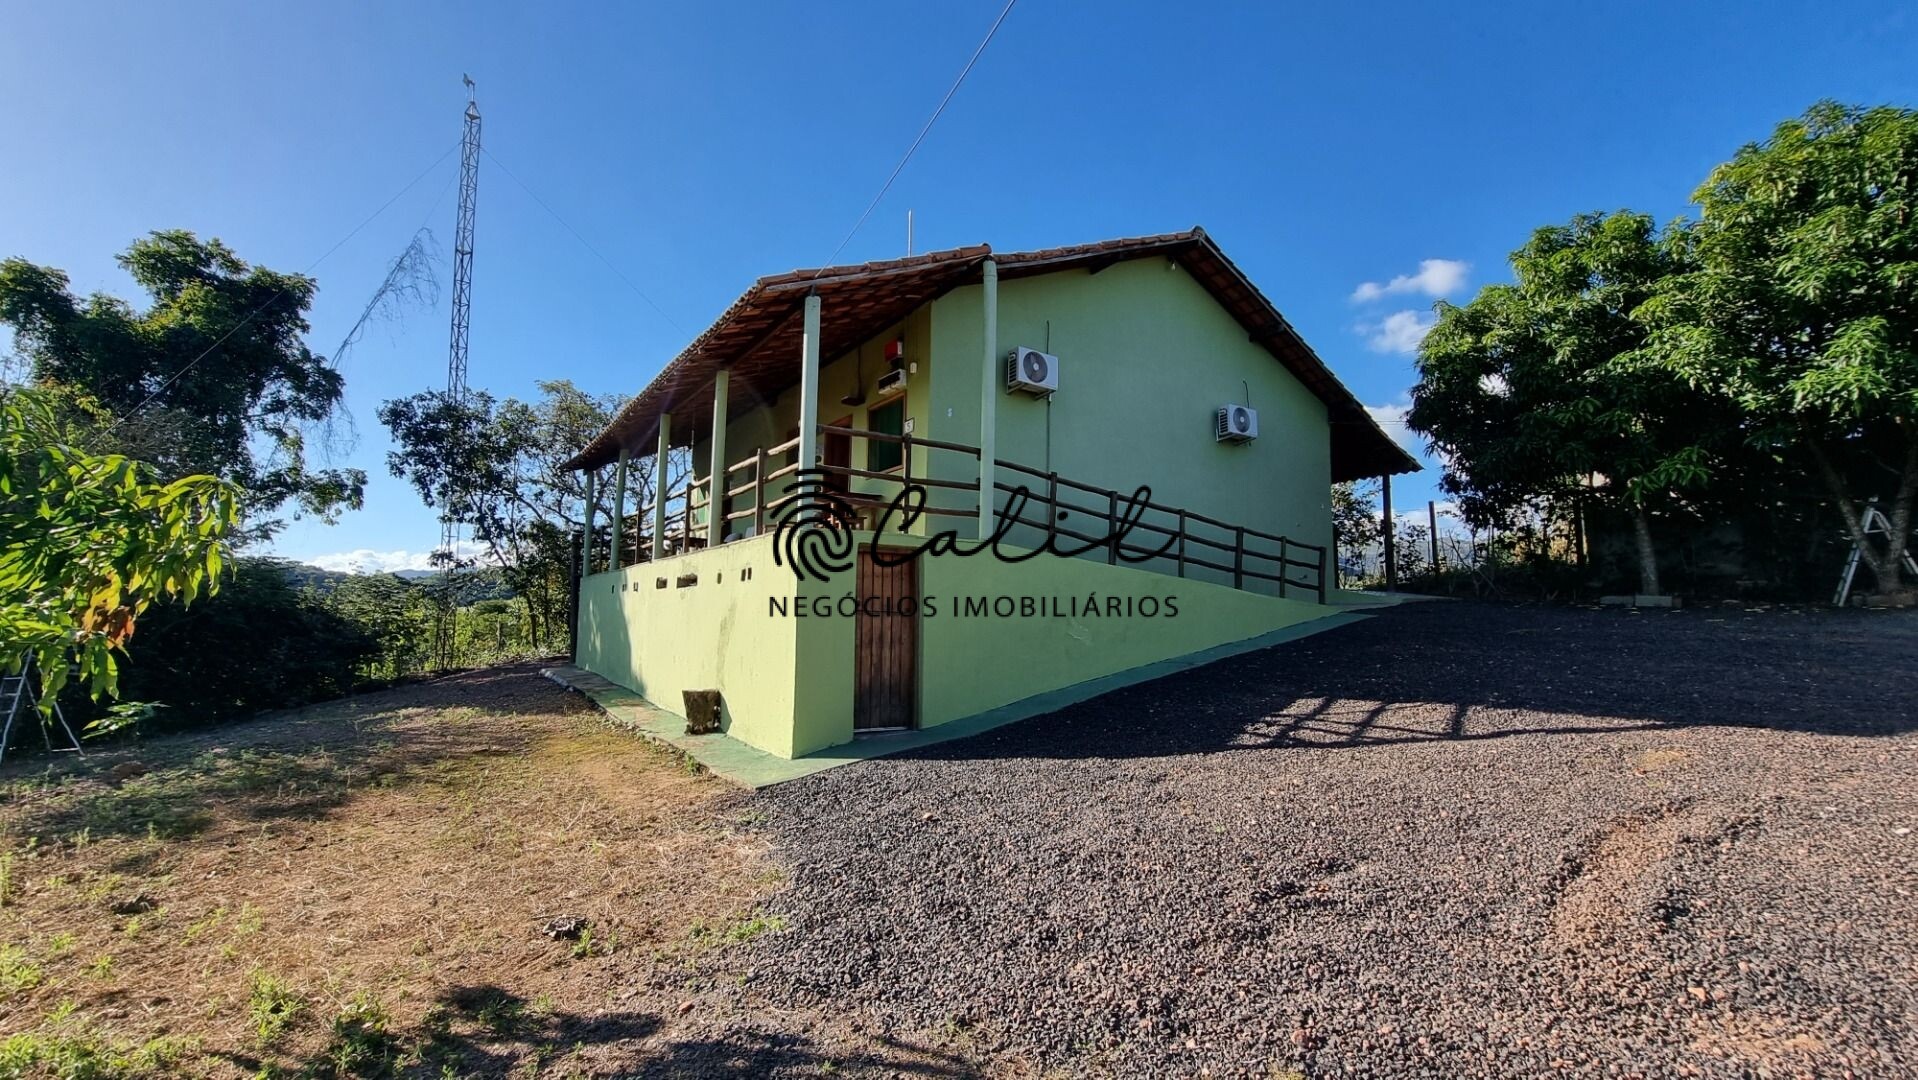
1112,527
1285,567
1321,576
1238,558
1431,515
1387,532
1182,528
1052,507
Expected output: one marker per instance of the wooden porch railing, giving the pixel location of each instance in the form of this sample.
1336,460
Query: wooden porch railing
1188,538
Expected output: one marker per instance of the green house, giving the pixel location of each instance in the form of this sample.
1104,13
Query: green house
1161,446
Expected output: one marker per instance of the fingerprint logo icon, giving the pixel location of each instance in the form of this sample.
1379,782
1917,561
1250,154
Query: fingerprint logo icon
812,528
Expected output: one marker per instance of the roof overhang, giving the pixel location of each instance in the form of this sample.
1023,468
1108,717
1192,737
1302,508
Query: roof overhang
757,338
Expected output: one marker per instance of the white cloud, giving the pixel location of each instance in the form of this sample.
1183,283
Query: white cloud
1399,332
368,561
1436,277
1392,419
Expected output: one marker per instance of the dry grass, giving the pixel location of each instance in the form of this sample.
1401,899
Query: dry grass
359,889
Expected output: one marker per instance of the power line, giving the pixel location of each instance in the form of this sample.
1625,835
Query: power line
910,150
275,298
587,244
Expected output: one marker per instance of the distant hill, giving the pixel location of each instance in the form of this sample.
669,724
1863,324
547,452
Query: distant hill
484,583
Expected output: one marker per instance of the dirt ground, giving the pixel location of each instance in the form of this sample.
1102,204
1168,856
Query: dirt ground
1453,840
361,889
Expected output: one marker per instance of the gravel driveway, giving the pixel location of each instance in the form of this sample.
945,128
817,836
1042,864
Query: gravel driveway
1451,840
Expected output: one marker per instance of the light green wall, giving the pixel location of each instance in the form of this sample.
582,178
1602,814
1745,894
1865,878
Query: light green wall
1146,358
715,634
971,665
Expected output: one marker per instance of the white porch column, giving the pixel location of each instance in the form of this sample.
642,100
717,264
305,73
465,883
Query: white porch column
619,507
716,485
659,484
809,387
988,397
586,528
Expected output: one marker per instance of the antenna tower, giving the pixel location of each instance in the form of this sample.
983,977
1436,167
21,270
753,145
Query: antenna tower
456,349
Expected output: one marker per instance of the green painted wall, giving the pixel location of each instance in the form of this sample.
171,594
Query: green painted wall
1146,358
713,634
970,665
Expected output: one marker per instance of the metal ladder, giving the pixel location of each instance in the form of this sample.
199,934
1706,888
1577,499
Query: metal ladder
1874,523
18,695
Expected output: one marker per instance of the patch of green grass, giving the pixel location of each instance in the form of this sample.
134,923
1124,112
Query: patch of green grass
88,1055
18,972
363,1041
272,1006
60,944
102,966
737,932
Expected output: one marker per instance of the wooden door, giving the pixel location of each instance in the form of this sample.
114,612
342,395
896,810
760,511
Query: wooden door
886,646
835,453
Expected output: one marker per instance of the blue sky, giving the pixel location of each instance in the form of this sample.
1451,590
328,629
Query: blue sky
700,145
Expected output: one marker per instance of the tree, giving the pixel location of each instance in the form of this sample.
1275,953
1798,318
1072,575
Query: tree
1802,307
211,378
1537,391
88,542
1355,518
498,468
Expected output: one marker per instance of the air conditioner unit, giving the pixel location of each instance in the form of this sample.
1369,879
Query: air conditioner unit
1237,423
1031,371
890,381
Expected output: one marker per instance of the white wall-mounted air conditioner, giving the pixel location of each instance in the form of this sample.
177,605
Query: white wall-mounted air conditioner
1237,424
1030,371
890,381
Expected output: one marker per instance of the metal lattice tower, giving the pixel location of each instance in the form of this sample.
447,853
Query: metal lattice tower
447,632
462,288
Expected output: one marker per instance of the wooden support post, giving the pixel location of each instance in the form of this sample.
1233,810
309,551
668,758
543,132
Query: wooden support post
716,475
1431,514
662,451
1322,572
988,396
1238,558
1285,569
619,508
586,529
1386,534
809,386
759,491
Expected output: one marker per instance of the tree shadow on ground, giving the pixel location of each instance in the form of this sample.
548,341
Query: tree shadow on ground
486,1030
1469,671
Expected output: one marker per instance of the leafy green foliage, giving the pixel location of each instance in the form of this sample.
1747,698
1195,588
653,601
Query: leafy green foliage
1537,390
497,466
212,662
1802,305
88,542
241,412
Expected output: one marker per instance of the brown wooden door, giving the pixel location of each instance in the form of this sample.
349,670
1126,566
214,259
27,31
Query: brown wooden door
886,646
835,453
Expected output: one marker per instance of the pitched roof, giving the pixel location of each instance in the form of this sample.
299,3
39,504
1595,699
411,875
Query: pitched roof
758,337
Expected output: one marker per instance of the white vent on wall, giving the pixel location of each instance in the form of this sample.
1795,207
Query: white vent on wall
1237,423
1031,371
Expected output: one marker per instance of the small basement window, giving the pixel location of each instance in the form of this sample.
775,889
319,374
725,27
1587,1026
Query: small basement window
887,419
